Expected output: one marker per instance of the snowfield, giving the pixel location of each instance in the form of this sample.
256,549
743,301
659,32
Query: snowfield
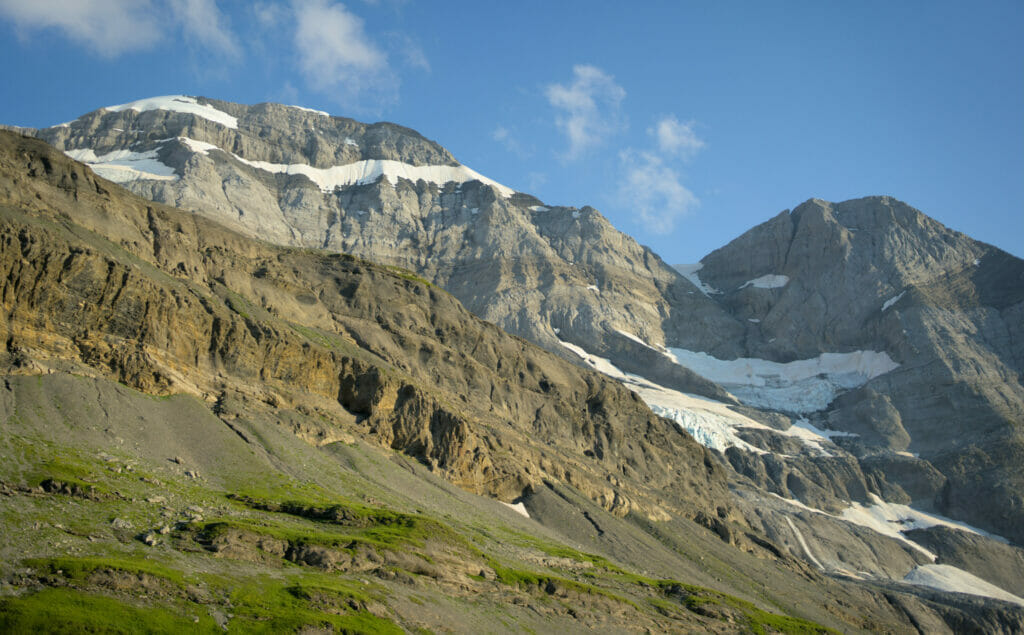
802,386
123,166
946,578
710,422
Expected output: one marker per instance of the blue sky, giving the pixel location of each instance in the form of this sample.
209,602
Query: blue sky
685,123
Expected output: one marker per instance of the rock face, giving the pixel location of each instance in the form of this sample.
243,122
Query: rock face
227,318
876,274
544,273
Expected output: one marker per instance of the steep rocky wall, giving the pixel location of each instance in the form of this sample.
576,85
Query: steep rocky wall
95,280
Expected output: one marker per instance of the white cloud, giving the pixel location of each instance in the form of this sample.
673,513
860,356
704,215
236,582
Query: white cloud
590,108
676,138
114,27
653,190
204,23
335,53
107,27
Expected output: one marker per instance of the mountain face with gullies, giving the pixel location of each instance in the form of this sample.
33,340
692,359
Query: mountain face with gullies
802,357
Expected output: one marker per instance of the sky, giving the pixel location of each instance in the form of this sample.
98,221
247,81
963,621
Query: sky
684,123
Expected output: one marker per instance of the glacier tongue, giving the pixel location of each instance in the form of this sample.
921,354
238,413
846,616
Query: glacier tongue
802,386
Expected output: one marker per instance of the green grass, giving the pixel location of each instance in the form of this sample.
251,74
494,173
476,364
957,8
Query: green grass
520,578
405,274
264,605
381,527
62,610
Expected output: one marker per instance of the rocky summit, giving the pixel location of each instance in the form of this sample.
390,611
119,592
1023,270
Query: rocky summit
315,374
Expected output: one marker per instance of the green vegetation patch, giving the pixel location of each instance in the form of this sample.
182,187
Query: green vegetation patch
549,583
405,274
69,611
264,605
379,526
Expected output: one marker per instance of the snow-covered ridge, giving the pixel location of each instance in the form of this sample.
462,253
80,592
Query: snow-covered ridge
368,171
179,103
122,166
362,172
314,111
770,281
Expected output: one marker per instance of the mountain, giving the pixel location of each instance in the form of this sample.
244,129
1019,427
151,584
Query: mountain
938,405
301,178
204,429
774,498
947,423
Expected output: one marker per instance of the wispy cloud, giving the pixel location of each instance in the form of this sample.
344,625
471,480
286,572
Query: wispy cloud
110,28
590,108
203,22
336,55
653,190
675,138
106,27
408,51
507,138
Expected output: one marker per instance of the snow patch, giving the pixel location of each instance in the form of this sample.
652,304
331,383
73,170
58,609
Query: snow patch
891,519
800,386
539,208
519,508
812,436
201,147
349,141
770,281
893,300
123,166
803,543
951,579
636,339
318,112
690,273
363,172
575,214
754,320
179,103
593,287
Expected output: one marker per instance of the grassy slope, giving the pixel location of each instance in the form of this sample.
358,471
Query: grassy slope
404,549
